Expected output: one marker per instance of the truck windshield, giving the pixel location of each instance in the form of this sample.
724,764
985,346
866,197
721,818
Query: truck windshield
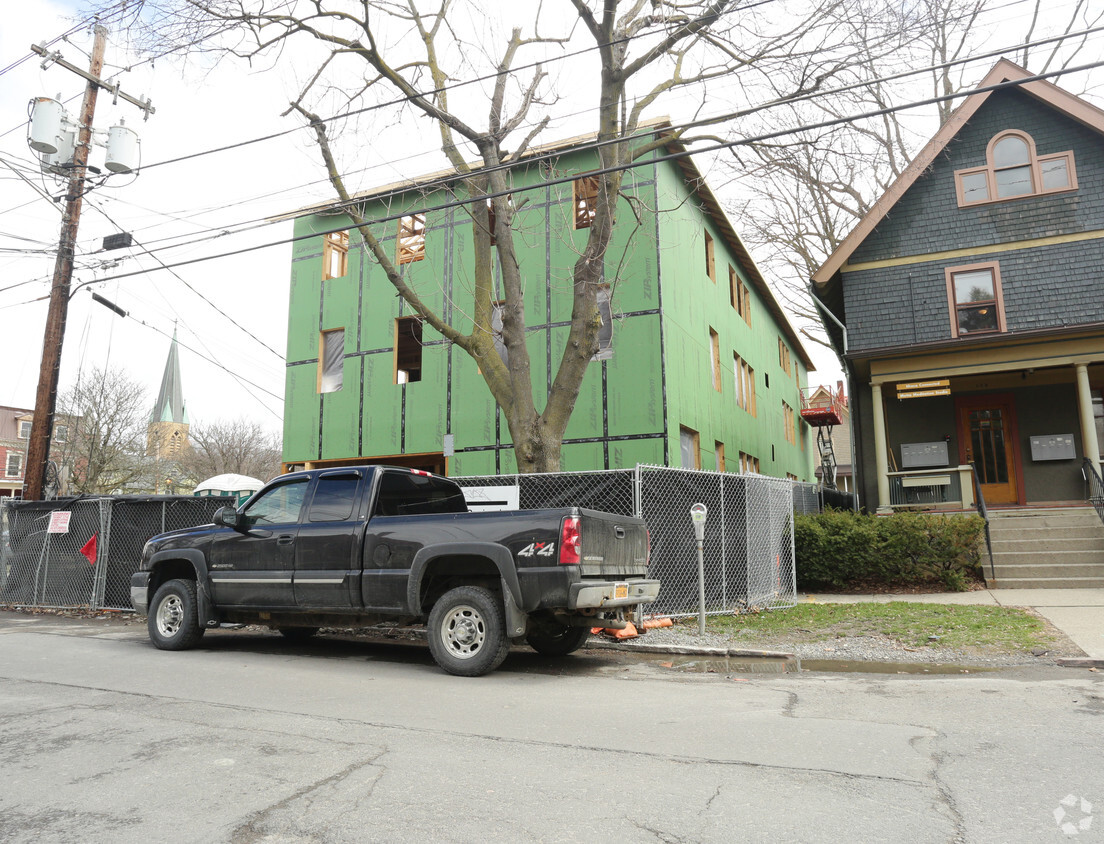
403,494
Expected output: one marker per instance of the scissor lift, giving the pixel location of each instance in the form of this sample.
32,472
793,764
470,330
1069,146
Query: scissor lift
823,412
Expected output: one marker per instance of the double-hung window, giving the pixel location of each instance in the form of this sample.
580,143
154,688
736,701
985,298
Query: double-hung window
975,299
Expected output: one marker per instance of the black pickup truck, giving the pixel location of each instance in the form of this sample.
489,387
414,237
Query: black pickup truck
357,546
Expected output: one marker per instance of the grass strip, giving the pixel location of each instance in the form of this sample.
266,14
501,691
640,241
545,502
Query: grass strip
911,624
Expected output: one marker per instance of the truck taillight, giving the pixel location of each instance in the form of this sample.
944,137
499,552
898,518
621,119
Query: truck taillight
571,551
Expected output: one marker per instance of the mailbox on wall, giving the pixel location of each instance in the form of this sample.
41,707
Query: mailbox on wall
1053,447
924,455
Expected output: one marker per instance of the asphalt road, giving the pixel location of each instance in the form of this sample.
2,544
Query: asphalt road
253,739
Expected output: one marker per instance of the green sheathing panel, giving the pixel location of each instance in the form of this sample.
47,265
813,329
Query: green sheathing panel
341,411
619,416
301,428
692,305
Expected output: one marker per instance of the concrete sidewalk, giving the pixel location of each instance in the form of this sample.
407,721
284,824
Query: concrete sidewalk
1079,613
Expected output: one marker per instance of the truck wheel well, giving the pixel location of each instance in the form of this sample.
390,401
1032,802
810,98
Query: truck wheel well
170,570
445,573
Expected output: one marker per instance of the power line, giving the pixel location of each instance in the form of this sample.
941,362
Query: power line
443,182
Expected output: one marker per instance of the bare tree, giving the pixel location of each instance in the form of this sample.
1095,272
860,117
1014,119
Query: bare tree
641,52
239,446
108,414
802,196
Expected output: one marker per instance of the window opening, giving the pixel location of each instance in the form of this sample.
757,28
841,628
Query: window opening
24,429
710,262
585,200
689,448
412,238
408,350
14,467
334,498
61,433
335,255
331,361
718,452
715,358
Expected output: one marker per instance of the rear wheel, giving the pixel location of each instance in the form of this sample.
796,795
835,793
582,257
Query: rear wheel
556,640
467,631
173,621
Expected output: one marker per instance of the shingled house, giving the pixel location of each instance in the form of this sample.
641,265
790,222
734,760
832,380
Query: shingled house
973,307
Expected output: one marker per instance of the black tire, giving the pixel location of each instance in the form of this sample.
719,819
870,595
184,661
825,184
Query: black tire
297,634
467,631
173,621
554,640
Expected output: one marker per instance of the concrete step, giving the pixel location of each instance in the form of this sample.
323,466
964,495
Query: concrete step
1046,567
1033,544
1047,583
1082,517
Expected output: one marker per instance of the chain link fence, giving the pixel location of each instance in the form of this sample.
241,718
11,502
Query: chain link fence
748,548
82,552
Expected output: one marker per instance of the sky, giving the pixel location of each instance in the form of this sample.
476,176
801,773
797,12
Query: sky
229,313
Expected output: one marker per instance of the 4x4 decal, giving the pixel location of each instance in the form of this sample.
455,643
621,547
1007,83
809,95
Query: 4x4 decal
538,549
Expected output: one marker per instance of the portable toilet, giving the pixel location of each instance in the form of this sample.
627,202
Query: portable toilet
241,486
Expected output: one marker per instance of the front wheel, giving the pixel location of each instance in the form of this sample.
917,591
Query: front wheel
557,640
467,631
173,622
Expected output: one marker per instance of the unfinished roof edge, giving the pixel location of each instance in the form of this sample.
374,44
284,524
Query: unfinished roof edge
1003,71
476,166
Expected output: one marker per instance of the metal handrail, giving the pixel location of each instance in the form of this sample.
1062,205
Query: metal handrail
1095,485
983,511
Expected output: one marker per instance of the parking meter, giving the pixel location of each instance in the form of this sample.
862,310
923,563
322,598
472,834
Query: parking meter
698,513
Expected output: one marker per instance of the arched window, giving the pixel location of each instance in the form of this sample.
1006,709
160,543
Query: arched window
1013,170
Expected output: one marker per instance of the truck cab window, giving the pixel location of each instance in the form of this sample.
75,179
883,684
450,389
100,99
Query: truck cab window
279,506
334,498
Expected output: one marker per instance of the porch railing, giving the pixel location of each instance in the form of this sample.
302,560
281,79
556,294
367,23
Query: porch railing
983,511
1096,486
945,488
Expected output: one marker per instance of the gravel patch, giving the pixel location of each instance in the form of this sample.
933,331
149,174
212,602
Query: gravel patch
867,648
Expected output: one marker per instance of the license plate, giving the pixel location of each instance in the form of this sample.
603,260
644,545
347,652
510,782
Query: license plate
621,590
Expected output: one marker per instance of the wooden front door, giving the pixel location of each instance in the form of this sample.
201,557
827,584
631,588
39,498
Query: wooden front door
987,438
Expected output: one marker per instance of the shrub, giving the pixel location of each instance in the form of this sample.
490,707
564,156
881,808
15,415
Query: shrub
840,549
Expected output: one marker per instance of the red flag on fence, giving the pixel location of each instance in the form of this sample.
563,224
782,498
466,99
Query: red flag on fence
89,550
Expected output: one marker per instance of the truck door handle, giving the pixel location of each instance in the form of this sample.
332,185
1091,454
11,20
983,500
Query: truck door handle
285,539
619,532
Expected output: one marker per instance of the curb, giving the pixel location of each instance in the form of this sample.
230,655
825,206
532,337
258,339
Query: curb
1080,662
686,650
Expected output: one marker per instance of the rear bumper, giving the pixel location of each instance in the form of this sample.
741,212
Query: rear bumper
621,593
139,591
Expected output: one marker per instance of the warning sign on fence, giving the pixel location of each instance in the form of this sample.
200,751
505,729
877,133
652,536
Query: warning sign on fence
59,521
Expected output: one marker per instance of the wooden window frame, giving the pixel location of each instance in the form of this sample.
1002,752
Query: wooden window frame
998,301
784,357
1035,165
719,454
710,258
715,358
407,350
749,465
335,248
340,374
789,424
734,297
411,240
695,438
584,200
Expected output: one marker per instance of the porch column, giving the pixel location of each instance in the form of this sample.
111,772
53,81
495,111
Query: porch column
1089,443
881,457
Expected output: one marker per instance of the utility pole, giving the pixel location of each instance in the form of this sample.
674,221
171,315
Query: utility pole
42,427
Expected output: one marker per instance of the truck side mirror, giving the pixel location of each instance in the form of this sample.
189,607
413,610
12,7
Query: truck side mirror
227,517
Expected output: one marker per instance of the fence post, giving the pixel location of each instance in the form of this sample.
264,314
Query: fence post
103,550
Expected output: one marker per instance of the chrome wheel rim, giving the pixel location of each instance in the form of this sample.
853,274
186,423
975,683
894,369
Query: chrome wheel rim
170,616
463,631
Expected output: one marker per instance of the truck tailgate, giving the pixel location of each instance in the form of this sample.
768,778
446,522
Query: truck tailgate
612,546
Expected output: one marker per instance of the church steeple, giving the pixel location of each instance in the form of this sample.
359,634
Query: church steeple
167,433
170,400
